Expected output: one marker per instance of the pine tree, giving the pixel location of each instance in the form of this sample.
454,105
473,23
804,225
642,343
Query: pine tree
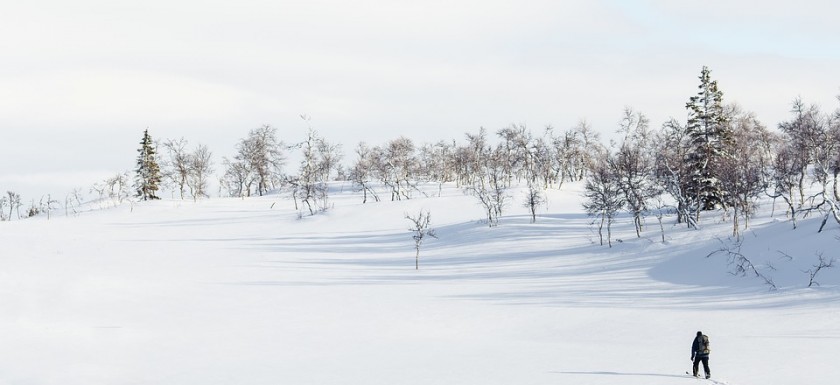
148,171
708,133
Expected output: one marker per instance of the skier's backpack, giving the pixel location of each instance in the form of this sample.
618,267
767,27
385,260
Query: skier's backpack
704,345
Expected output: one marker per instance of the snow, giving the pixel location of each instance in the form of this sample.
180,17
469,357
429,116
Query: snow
233,291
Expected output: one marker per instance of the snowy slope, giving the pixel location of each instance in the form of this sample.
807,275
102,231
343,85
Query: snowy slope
229,291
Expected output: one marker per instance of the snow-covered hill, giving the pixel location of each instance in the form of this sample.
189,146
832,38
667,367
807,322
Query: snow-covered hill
230,291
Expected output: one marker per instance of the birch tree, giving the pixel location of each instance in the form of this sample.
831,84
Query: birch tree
603,197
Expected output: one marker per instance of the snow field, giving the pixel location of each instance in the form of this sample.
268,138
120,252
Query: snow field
229,291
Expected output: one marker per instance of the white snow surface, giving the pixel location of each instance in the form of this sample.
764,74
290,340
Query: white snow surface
233,291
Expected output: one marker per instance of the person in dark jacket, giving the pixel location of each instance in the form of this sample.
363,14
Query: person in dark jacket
700,353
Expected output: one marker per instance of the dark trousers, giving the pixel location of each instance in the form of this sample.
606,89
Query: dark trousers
705,360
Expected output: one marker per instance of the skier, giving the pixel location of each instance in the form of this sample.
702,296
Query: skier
700,352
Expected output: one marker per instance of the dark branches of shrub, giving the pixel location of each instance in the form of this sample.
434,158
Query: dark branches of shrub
741,264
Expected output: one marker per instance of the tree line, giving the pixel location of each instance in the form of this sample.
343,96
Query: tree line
721,159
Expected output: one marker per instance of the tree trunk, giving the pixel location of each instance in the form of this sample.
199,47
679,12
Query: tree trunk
637,220
735,222
661,227
792,207
802,188
600,230
836,193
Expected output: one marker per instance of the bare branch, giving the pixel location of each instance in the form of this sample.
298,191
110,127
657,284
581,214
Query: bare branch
740,263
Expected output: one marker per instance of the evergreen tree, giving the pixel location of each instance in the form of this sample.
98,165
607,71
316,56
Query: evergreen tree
148,171
708,133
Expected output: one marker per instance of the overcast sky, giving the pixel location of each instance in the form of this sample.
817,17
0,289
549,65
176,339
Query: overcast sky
80,80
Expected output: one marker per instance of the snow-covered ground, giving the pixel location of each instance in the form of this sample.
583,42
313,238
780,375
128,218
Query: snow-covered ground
230,291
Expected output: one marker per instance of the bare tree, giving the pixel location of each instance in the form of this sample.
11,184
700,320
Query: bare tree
603,197
437,163
421,228
822,263
671,171
115,188
834,156
309,186
806,135
785,177
534,198
14,203
633,166
362,173
177,166
329,156
575,151
118,187
516,151
660,209
543,159
238,178
199,168
72,202
320,159
260,155
329,159
471,158
741,264
741,169
401,164
47,205
3,201
490,185
592,147
565,150
809,133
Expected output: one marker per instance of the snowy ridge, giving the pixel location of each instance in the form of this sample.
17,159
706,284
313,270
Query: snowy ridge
231,291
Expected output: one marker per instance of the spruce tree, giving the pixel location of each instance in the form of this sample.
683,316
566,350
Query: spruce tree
148,171
708,132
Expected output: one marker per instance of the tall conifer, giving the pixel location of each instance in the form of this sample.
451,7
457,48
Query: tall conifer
708,133
148,171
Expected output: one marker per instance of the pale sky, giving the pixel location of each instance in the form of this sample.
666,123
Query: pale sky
80,80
